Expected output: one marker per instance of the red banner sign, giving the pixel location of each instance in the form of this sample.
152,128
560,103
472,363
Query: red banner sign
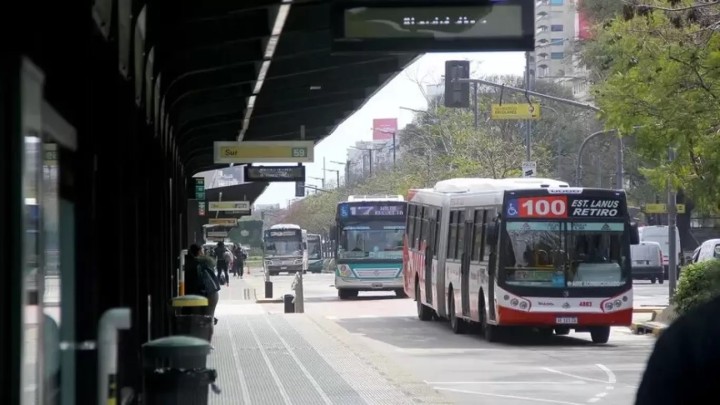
543,207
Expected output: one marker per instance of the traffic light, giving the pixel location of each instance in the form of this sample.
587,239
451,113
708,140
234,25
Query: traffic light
457,94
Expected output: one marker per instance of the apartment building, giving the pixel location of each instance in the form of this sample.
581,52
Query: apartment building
559,26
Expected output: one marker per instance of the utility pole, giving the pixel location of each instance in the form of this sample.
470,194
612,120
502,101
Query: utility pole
528,85
672,225
393,134
324,173
370,158
476,107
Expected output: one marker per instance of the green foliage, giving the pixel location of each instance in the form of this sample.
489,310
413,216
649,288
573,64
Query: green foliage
662,83
699,283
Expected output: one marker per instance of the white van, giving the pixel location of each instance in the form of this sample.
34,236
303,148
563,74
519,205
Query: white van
659,234
647,259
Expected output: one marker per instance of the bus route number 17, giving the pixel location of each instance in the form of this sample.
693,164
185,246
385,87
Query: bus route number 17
543,207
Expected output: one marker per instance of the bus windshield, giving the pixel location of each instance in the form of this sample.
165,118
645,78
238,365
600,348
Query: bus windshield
283,243
314,248
564,254
371,240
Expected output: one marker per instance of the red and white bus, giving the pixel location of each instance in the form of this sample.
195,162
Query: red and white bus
520,252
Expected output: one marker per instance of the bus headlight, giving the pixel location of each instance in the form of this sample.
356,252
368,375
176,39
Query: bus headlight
616,303
344,270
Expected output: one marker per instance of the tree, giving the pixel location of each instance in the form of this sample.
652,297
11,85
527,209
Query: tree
662,84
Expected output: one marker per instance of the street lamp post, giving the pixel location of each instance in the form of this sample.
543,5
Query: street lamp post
393,143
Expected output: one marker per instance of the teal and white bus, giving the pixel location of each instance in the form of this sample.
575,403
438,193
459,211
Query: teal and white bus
369,250
315,253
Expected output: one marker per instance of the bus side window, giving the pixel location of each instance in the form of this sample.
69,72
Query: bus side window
418,227
452,236
478,250
425,225
437,231
411,224
460,234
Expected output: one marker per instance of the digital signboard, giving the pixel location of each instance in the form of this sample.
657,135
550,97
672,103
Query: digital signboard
420,26
275,173
373,210
564,206
282,233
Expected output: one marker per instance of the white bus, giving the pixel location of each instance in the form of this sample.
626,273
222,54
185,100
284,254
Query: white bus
285,249
520,252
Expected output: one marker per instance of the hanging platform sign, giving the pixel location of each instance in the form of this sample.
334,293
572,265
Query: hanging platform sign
275,173
229,206
263,152
199,188
523,111
223,221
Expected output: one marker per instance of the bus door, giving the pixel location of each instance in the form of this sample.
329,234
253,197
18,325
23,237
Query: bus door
429,253
465,257
493,265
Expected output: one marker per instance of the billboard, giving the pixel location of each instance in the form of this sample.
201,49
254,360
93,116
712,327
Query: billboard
383,128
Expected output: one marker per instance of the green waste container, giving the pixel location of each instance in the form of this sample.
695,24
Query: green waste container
175,371
190,317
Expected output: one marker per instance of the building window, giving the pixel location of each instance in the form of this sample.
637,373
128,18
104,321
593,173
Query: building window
556,28
556,2
557,41
557,55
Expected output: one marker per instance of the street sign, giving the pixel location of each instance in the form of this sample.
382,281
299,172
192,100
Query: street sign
223,221
522,111
662,208
229,206
263,152
275,173
300,189
440,26
529,169
217,234
201,208
199,188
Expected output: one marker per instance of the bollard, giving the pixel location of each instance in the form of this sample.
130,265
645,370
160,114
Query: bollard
268,289
288,303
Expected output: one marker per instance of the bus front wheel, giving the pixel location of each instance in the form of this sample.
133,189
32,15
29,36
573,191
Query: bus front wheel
600,334
344,294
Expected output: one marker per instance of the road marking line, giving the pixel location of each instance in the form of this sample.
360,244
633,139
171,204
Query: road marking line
548,401
611,376
506,382
573,375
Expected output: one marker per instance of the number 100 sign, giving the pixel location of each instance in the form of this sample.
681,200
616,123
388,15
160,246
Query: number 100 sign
543,207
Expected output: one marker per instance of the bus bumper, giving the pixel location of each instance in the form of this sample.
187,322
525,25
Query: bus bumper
368,285
288,268
514,317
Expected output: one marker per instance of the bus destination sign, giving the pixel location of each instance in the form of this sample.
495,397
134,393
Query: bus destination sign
282,233
563,206
378,210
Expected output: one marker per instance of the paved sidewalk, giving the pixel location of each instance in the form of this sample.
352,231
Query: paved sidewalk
300,359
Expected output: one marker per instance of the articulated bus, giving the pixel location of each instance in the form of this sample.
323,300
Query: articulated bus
285,249
520,252
369,232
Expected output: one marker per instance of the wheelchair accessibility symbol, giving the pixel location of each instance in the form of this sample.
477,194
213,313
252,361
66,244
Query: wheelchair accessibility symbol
511,210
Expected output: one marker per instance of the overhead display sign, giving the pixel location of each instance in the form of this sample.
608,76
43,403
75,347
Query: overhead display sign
370,210
263,152
217,234
282,233
223,221
447,26
229,206
201,208
520,111
199,188
275,173
563,206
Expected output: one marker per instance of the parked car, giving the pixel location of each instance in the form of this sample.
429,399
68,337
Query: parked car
647,262
708,250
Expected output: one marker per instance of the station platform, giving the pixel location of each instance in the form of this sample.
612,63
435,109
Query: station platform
274,359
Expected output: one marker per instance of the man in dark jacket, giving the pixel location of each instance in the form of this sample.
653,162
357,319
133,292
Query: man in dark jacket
684,367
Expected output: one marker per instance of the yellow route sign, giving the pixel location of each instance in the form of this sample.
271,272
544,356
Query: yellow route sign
264,152
515,111
223,221
229,206
662,208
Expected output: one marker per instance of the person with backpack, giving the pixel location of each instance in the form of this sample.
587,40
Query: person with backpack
224,260
200,279
239,262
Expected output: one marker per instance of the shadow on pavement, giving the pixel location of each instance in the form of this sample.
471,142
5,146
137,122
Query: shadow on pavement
411,333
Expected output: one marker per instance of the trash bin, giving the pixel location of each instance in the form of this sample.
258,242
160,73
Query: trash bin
175,371
190,319
288,302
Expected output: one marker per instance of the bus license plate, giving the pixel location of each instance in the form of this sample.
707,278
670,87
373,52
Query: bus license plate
283,268
566,320
376,285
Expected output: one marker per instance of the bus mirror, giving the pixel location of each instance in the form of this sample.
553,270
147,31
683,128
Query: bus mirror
491,230
634,234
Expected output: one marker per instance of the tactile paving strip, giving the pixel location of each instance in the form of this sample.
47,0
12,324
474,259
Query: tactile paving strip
278,359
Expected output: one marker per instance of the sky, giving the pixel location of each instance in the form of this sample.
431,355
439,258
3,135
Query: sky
402,91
